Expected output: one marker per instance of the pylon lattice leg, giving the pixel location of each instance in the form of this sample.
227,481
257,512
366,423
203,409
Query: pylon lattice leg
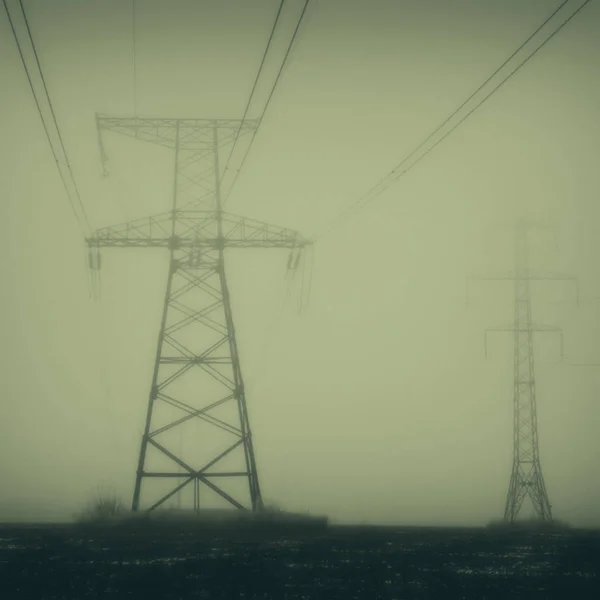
197,382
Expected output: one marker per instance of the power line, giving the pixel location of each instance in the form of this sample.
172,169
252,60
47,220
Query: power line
281,68
393,176
133,32
455,112
260,68
39,109
37,60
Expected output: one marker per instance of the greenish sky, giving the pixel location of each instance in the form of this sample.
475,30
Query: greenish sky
376,403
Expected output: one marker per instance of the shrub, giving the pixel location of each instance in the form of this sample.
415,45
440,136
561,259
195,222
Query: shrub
103,508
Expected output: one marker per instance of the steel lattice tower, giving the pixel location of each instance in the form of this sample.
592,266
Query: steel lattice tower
526,476
197,380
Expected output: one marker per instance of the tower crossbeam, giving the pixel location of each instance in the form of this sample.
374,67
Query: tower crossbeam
196,229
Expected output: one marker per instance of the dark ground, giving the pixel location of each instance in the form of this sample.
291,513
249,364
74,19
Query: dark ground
347,563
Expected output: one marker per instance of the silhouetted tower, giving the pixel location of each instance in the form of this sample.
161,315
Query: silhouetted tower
197,388
526,478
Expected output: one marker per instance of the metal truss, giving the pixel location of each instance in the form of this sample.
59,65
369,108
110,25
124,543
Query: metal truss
526,476
196,229
195,145
197,388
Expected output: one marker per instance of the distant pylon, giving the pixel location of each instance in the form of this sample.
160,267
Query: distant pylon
526,478
197,429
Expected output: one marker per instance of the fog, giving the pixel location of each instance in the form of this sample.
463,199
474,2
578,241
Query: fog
374,400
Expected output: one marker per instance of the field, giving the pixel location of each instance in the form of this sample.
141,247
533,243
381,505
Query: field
53,562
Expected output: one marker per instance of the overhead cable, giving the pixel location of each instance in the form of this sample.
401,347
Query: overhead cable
134,57
37,60
41,114
281,68
258,74
394,175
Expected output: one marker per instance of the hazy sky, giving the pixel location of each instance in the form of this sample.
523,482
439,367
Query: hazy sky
376,403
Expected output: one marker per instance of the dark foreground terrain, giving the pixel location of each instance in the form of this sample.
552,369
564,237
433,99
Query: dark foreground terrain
346,563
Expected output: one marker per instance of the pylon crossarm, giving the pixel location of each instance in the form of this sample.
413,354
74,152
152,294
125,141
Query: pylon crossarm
247,232
149,231
163,132
196,229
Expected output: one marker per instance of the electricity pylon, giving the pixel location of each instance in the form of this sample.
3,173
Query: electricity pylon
197,379
526,478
